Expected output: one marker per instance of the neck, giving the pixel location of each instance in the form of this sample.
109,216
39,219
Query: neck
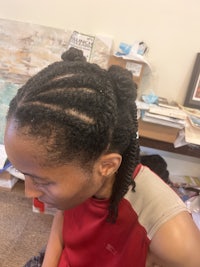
105,191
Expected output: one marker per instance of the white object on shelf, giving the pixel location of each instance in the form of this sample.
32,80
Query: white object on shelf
3,155
179,114
8,183
192,134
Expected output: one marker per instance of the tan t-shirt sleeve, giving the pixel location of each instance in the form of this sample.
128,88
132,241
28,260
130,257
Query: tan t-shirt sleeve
153,201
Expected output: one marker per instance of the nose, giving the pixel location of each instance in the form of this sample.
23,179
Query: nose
30,190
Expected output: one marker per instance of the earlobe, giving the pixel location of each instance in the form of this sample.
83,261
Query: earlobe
109,164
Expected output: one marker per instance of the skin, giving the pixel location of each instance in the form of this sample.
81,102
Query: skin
62,187
175,244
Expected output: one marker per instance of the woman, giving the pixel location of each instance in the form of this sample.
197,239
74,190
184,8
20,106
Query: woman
72,131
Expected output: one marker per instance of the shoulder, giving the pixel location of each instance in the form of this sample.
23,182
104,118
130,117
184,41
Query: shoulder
154,201
176,243
175,239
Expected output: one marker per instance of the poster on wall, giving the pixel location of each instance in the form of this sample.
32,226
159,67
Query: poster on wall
24,50
27,48
83,42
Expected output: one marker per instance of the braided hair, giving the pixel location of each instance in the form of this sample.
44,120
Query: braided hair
79,111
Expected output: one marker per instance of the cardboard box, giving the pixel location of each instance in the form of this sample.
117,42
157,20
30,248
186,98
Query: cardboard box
7,181
40,207
157,132
136,67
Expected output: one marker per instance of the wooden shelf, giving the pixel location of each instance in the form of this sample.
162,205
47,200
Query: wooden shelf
187,150
162,138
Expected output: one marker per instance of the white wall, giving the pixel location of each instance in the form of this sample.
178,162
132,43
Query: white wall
177,164
170,28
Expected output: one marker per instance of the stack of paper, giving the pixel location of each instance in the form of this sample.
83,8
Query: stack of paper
7,180
163,120
192,133
173,113
164,102
165,116
192,127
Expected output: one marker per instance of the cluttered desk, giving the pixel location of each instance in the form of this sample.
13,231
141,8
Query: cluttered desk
176,130
151,135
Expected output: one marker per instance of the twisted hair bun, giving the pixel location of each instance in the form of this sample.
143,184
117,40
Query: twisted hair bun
73,54
125,88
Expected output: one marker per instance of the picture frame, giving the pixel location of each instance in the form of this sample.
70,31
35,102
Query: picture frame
192,99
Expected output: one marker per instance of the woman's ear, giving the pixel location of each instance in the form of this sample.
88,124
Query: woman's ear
109,164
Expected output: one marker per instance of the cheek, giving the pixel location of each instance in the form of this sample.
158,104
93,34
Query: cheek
69,194
60,191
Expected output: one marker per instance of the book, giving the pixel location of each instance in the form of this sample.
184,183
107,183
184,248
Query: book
179,114
163,120
164,102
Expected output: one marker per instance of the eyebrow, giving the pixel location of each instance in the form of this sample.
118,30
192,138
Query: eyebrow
35,176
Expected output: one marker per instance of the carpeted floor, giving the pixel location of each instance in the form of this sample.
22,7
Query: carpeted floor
23,233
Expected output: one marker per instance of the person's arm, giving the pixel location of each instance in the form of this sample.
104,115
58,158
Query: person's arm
176,243
55,243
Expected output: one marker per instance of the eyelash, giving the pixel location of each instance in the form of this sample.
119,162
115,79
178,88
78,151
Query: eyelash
39,184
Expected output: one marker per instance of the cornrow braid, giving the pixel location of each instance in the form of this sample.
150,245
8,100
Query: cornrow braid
80,111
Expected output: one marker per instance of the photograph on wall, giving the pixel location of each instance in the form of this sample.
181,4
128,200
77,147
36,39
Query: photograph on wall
192,99
196,95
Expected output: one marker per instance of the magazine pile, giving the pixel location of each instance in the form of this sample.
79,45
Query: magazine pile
192,128
188,188
166,113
